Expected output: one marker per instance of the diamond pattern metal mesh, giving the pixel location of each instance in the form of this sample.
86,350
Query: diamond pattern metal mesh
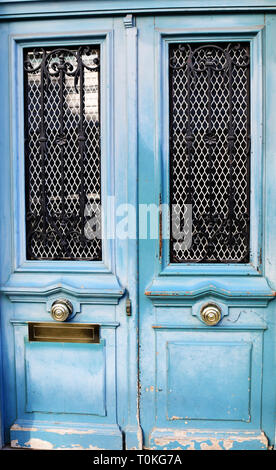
62,153
209,150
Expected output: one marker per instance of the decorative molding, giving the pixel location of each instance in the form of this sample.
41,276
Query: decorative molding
103,296
18,322
187,290
45,8
178,327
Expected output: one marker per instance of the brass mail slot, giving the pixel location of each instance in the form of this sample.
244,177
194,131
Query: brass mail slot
64,333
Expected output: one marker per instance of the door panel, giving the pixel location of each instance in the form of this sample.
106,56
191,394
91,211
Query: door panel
202,380
66,394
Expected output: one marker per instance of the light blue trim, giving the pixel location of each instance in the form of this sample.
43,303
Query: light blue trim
187,276
252,34
105,39
134,437
100,289
203,269
38,8
105,325
179,287
1,393
177,327
99,286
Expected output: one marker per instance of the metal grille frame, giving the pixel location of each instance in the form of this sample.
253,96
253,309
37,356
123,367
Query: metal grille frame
217,237
63,154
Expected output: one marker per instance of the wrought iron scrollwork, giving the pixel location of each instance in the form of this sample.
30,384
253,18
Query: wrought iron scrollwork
209,149
62,153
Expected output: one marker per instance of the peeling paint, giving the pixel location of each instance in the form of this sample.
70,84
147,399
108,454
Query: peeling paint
70,431
191,446
62,431
16,427
217,440
35,443
228,444
213,446
14,443
262,438
74,447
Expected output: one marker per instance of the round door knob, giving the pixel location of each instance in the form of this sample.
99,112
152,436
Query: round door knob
210,314
61,309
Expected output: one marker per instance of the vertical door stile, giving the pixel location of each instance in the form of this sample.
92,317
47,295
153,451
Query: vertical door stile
134,433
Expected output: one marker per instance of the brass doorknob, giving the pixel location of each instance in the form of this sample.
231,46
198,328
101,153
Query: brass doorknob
210,314
61,309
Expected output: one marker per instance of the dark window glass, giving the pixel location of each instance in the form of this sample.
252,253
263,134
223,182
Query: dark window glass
209,87
62,153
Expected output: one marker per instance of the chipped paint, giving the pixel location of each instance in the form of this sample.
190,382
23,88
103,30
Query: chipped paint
215,445
79,447
14,443
228,444
35,443
70,431
262,438
139,430
216,440
74,447
16,427
39,444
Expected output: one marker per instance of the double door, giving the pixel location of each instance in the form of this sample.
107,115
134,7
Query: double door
137,232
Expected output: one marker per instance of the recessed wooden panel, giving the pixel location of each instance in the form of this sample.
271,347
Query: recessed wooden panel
64,332
65,378
208,380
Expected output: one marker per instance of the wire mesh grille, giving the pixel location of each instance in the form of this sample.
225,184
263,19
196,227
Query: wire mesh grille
209,150
62,153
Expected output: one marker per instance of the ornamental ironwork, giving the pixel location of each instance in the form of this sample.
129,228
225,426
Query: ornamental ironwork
209,88
62,153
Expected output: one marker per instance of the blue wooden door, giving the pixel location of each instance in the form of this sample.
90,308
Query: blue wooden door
64,173
106,121
206,327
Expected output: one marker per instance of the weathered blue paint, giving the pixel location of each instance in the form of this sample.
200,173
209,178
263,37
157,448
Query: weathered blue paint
201,387
200,383
38,409
39,8
207,440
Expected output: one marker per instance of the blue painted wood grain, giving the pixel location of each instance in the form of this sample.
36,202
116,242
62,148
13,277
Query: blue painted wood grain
173,340
175,292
